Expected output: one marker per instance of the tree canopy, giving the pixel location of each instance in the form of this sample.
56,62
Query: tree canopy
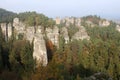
6,16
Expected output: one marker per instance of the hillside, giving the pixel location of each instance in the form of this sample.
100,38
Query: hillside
6,16
36,47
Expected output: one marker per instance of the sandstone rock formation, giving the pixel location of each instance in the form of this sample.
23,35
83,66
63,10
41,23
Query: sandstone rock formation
4,27
19,27
53,35
64,33
77,21
57,20
9,30
6,30
118,28
104,23
40,53
36,35
29,33
81,34
71,20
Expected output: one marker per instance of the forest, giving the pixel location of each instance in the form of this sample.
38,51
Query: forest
77,60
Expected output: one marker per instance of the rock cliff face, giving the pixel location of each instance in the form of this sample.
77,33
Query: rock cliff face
53,35
19,27
7,30
39,49
40,53
29,33
118,28
104,23
64,33
81,34
3,27
35,34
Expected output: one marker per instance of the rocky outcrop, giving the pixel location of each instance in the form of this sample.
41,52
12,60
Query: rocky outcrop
39,49
53,35
40,53
118,28
78,22
64,33
36,35
9,30
19,27
104,23
29,33
57,20
81,34
6,30
71,20
4,27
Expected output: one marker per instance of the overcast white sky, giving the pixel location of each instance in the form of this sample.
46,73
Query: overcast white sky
62,8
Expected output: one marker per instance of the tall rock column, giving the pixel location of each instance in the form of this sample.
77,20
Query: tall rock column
4,30
53,35
19,27
9,30
40,52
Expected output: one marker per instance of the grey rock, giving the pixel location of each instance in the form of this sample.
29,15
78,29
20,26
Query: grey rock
9,30
118,28
40,53
53,35
81,34
64,33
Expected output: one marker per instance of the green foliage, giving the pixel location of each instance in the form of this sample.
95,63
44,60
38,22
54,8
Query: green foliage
61,43
6,16
22,53
73,61
20,36
1,36
35,19
72,30
106,43
95,19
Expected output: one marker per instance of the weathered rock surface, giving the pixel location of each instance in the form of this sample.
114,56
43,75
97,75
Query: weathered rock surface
78,22
36,35
57,20
40,53
81,34
29,34
9,30
3,27
53,35
6,30
64,33
19,27
71,20
104,23
118,28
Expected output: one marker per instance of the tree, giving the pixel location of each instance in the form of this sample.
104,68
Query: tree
1,41
72,30
21,57
6,16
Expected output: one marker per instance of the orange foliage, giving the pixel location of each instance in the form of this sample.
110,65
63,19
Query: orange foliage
49,45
